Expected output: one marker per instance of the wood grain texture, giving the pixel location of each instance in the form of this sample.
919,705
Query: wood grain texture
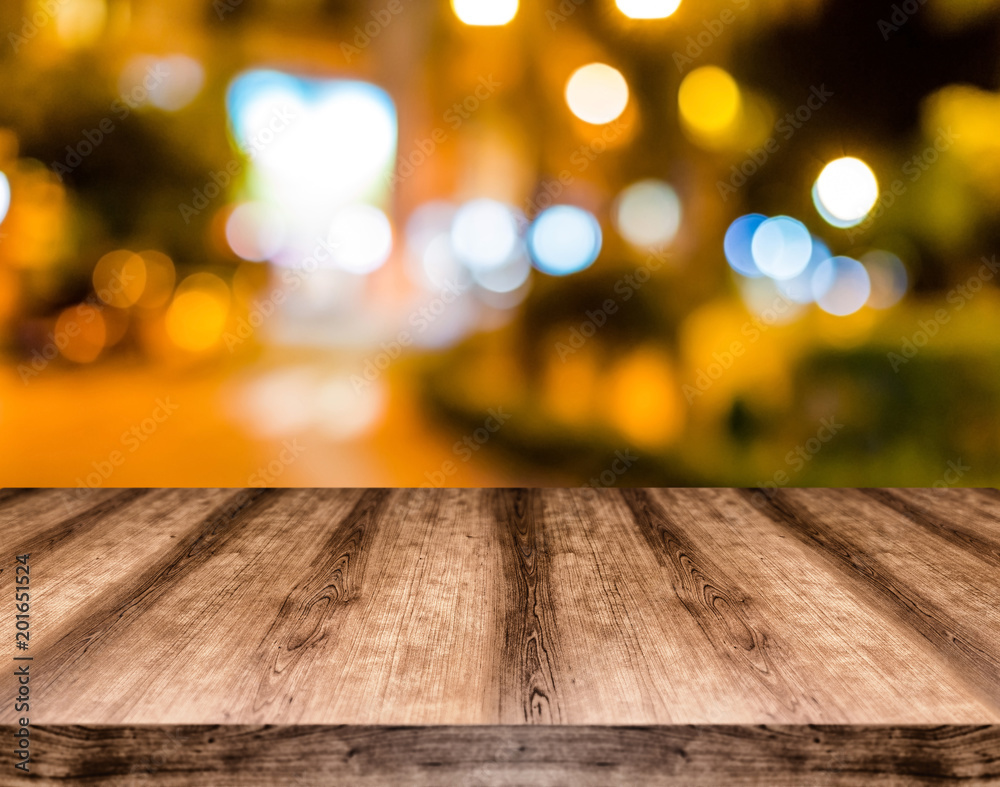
622,612
707,756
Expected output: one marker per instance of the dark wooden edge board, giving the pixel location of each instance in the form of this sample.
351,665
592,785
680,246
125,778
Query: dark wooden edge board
521,754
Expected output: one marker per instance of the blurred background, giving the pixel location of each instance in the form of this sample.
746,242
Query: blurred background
402,242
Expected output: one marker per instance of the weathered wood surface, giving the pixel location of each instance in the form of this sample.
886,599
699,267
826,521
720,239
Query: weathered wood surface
588,756
624,612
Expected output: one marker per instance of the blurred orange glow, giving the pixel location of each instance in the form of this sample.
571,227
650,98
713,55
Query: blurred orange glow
198,313
80,333
643,401
160,277
120,278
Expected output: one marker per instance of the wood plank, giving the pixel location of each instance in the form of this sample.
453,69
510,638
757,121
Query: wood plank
790,627
934,587
549,607
706,756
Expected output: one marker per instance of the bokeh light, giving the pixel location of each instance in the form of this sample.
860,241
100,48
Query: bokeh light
484,234
197,314
597,93
845,191
781,247
737,244
119,278
255,231
485,13
316,145
841,286
799,288
80,333
564,239
168,83
160,278
648,9
643,399
80,22
505,278
888,278
360,238
4,196
648,213
709,102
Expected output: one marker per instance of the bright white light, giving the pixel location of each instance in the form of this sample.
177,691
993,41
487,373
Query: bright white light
360,238
597,93
841,286
507,278
315,145
4,196
799,288
255,231
737,244
648,9
781,247
484,234
430,260
485,13
648,213
845,191
564,240
888,278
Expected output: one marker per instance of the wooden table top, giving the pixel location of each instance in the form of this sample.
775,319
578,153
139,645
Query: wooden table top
449,607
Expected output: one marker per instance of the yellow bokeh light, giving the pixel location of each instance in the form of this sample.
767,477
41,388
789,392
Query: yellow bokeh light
845,191
485,13
710,102
597,93
197,315
80,22
160,278
80,333
648,9
644,401
120,278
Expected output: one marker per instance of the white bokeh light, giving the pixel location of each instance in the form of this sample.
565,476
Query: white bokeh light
360,238
841,286
648,9
648,213
484,234
845,191
597,93
564,239
781,247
